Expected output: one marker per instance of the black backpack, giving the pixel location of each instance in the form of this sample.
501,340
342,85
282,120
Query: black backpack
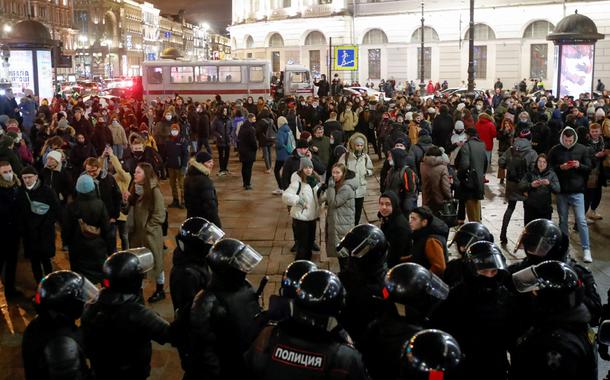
516,167
271,130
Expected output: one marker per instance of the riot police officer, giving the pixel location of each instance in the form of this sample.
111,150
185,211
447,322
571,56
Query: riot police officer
543,240
466,235
429,354
478,308
118,328
224,317
305,346
362,254
280,306
557,344
411,292
190,273
52,345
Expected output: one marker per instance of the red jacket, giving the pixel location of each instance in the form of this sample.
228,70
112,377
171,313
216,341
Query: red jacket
487,130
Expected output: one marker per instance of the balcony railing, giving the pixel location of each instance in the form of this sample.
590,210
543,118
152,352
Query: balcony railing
320,10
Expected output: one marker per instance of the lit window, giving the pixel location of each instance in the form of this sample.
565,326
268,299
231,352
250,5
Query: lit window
256,74
181,74
154,75
229,74
206,73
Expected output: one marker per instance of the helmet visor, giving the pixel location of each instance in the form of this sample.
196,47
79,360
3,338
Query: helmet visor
145,257
526,280
535,245
89,292
212,234
361,249
493,261
246,259
437,288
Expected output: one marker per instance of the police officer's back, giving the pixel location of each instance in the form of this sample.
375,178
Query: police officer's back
307,345
118,328
362,254
280,306
52,345
411,292
224,317
557,344
476,313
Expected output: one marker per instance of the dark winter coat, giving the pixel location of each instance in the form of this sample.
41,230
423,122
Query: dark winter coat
83,127
9,207
442,129
87,255
247,142
571,180
60,181
108,191
101,137
203,126
199,193
79,153
540,198
521,150
261,125
38,231
472,156
176,154
397,232
221,130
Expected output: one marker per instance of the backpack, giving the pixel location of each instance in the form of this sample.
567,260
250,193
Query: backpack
271,131
516,167
410,180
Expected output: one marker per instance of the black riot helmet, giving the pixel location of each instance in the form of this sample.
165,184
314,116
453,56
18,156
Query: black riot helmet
484,255
64,293
321,292
231,257
415,287
469,233
197,235
431,351
292,277
365,246
124,269
543,240
556,284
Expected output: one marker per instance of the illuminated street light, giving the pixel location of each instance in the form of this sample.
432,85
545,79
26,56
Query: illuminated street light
205,26
7,28
82,38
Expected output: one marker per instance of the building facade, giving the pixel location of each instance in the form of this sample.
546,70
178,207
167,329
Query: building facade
510,41
55,15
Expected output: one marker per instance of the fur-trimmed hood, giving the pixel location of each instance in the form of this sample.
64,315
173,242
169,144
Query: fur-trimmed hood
197,166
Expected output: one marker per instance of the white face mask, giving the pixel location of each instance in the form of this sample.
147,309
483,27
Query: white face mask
315,105
199,109
8,177
32,186
168,117
479,107
523,120
391,162
174,132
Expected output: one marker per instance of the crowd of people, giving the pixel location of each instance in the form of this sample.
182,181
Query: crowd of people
88,173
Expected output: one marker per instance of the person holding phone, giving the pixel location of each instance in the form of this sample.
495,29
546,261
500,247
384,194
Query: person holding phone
538,185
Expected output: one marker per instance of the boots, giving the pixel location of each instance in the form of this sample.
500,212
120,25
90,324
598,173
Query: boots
158,295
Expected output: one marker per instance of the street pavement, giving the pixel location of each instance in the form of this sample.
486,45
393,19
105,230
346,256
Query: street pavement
260,219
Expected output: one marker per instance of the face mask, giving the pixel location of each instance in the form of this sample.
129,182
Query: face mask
31,187
114,122
199,109
408,107
479,107
332,140
303,103
523,120
174,132
139,189
8,177
315,105
168,117
391,162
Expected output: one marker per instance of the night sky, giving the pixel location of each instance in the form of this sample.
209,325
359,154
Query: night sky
217,13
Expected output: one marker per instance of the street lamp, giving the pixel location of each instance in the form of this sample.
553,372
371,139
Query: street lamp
421,53
471,49
7,28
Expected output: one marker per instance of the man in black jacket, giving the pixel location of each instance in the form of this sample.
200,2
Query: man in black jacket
107,190
323,86
395,227
199,193
442,129
247,150
571,161
9,228
292,163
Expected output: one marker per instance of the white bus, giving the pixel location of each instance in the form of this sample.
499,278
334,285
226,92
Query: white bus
204,79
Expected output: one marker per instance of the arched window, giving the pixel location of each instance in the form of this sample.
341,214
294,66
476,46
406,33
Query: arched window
315,38
276,41
538,29
375,37
429,35
482,32
249,42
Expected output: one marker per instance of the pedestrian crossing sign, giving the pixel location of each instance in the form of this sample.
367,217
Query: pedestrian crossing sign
345,58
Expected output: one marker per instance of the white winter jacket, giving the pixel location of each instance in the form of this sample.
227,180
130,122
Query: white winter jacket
304,205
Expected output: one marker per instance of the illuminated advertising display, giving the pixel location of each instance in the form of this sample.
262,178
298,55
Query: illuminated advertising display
45,74
21,71
576,69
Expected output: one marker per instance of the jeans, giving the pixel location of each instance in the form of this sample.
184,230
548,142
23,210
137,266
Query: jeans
577,201
277,170
359,207
117,150
488,154
223,157
305,235
176,182
121,226
267,156
246,172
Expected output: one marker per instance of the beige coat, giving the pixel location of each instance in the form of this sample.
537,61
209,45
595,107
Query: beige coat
122,178
348,120
144,227
118,134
